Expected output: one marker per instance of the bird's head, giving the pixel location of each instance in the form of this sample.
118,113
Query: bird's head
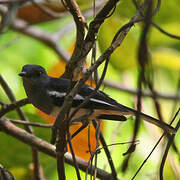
32,72
33,75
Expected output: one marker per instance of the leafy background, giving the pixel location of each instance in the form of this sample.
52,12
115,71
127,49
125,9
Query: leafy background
165,55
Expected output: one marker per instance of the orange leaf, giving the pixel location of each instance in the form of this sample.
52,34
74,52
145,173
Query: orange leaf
80,142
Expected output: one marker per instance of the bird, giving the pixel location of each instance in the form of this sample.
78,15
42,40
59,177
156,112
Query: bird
48,94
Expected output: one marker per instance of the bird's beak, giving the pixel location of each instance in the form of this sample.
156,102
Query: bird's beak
22,74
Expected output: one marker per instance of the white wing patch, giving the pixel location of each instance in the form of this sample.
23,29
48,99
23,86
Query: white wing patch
100,101
78,97
56,94
91,88
63,94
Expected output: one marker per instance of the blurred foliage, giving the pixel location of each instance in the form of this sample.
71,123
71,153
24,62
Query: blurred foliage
165,55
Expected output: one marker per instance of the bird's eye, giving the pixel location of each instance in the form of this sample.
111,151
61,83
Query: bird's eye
38,73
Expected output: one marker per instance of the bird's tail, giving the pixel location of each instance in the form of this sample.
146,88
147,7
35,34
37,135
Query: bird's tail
119,111
167,128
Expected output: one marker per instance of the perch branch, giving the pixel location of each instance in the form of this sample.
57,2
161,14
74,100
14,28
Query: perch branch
43,146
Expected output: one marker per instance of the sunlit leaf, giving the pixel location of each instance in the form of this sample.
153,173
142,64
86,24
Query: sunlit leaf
124,57
168,58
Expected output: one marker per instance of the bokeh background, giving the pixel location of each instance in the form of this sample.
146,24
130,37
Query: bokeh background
17,50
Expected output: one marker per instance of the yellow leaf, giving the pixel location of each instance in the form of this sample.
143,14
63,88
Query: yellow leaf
167,58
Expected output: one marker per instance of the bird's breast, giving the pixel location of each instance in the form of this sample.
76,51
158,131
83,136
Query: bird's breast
39,98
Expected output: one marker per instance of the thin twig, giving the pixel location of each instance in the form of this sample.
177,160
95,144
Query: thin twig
174,146
60,151
95,25
80,22
105,146
156,103
62,131
123,88
170,141
38,174
36,33
69,98
10,107
12,98
30,123
12,2
45,147
153,148
97,146
143,61
48,11
73,156
165,32
90,38
153,23
11,42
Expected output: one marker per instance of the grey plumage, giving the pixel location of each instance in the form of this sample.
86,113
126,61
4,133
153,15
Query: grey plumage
47,94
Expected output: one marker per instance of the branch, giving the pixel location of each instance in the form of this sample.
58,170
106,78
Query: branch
30,123
12,98
153,23
38,174
64,30
73,75
95,25
80,33
117,86
105,146
10,107
13,2
36,33
161,169
45,147
165,32
48,11
170,141
90,38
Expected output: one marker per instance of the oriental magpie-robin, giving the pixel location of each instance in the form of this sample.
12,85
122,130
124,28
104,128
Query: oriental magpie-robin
47,94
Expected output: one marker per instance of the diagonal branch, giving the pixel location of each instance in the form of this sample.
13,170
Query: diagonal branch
38,175
45,147
90,38
10,107
123,88
36,33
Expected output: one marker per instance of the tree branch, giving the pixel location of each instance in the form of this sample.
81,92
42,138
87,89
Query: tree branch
45,147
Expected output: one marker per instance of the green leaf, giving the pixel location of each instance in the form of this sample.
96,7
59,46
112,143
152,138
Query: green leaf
124,56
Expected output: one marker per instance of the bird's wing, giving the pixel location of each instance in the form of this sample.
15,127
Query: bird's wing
57,89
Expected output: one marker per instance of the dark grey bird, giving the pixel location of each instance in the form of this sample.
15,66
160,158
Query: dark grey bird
48,93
